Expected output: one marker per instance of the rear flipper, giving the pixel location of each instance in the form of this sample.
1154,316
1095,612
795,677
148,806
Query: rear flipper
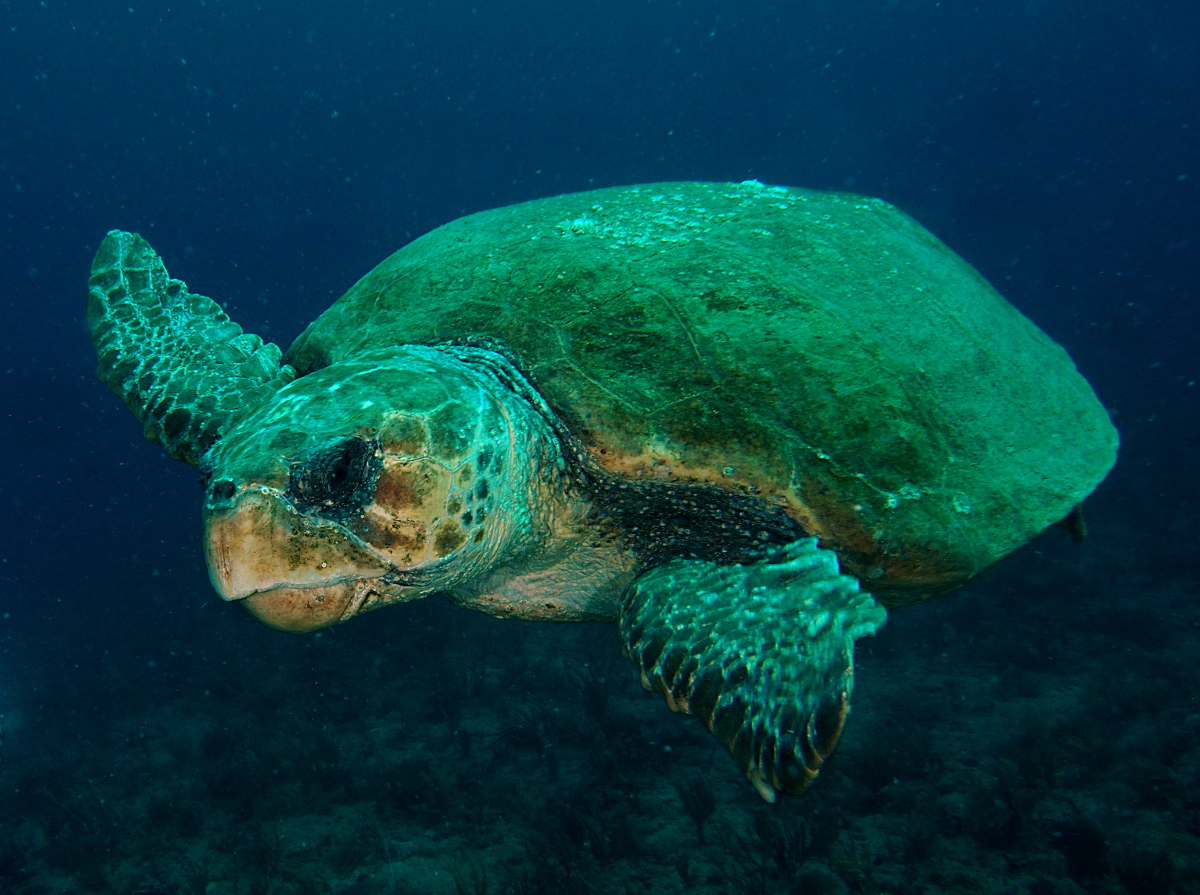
761,653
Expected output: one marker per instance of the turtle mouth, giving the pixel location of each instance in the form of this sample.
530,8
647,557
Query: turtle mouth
302,609
259,543
293,572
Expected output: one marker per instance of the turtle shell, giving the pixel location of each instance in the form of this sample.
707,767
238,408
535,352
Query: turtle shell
822,351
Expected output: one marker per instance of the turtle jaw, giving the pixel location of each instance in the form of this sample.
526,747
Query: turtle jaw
260,543
300,610
292,572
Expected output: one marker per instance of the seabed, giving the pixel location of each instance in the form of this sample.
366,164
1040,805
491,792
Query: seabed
1036,733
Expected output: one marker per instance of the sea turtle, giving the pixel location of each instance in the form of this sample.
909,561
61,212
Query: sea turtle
704,411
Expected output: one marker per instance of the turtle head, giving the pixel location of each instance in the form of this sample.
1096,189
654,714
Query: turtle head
401,473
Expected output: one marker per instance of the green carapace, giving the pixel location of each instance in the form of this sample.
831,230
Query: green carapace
738,420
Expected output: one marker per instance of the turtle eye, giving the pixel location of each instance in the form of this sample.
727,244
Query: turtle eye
336,478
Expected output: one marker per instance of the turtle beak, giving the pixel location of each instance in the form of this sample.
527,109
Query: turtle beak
257,542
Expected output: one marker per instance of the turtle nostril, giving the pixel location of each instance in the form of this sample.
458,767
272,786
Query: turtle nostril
223,490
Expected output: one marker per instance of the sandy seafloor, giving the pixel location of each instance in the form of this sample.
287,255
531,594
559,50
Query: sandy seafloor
1001,742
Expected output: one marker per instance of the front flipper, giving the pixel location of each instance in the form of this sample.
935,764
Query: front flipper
761,653
184,369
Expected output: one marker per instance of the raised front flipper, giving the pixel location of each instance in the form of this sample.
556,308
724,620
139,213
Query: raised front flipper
183,368
761,653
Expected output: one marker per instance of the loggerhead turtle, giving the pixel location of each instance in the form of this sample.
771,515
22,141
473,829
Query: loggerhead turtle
646,405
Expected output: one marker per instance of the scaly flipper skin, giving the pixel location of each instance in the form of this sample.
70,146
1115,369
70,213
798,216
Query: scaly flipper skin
761,653
184,369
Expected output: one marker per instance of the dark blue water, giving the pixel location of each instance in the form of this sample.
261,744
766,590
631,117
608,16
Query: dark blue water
274,152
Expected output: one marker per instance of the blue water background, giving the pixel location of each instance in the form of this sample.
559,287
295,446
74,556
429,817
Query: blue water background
274,152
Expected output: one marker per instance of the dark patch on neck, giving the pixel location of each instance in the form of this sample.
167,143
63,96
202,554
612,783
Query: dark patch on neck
661,521
665,520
